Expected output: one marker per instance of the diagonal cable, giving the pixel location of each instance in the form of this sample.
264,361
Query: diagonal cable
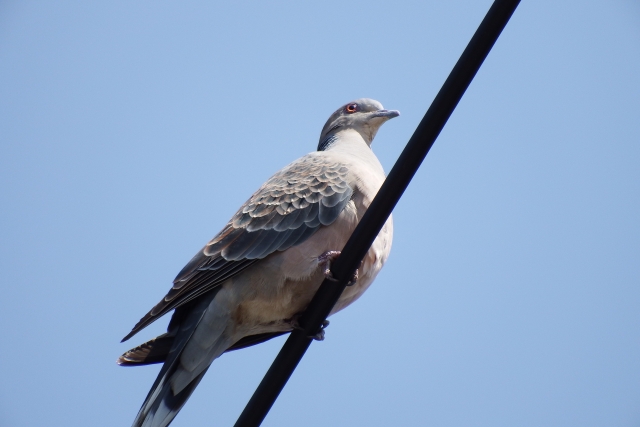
365,233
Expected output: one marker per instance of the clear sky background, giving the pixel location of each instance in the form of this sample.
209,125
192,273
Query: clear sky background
130,132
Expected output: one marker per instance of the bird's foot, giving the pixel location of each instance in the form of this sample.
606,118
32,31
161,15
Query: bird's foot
325,261
319,336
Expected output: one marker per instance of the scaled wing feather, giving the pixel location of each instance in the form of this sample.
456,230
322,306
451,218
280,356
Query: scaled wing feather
288,208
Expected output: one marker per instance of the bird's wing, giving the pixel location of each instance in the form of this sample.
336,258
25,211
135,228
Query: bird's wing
292,205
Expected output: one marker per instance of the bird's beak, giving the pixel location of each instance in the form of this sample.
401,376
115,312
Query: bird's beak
388,114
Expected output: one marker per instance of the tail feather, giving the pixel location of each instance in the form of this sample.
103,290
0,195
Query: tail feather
157,350
161,405
164,410
153,351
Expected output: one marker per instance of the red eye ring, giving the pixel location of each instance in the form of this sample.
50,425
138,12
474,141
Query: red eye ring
351,108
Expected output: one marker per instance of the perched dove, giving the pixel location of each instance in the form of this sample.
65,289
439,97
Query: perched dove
251,282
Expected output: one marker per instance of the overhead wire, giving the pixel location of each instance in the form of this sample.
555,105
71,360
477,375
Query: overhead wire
376,215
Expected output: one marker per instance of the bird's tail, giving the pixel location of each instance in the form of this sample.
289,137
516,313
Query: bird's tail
199,339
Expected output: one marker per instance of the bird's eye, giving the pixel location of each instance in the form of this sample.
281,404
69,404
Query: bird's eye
351,108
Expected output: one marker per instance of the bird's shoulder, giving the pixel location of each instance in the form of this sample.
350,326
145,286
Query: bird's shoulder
305,181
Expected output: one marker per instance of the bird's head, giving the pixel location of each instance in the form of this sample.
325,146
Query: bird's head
363,115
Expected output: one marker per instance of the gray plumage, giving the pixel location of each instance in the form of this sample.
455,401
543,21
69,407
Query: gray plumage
249,283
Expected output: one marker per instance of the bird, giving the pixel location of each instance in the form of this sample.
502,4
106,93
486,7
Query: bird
251,281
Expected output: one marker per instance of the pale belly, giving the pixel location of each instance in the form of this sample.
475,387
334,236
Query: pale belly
274,291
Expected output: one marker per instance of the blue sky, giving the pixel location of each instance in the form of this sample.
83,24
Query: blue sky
131,132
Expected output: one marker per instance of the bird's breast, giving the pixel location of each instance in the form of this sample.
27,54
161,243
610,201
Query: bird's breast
279,287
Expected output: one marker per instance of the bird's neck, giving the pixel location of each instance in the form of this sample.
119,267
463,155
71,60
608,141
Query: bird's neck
351,143
349,138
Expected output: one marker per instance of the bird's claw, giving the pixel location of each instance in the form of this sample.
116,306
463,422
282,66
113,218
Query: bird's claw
325,261
319,336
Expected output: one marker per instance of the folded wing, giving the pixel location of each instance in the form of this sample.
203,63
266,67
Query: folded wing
292,205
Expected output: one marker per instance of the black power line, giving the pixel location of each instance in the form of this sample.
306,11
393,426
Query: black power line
377,214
